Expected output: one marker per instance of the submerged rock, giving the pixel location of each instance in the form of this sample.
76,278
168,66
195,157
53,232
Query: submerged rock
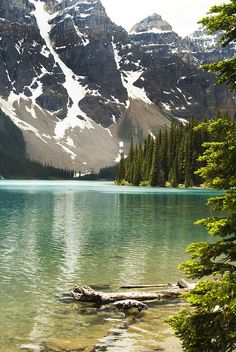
130,303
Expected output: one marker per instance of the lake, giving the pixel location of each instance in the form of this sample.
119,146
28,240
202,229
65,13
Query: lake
54,234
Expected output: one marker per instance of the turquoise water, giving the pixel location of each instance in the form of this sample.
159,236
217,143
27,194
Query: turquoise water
54,234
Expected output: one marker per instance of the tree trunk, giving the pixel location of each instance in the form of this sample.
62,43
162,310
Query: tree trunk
149,286
87,294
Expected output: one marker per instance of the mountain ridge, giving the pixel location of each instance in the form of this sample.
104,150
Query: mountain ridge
79,86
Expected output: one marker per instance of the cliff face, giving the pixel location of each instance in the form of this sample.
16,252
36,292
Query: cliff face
79,86
173,79
16,11
156,36
206,48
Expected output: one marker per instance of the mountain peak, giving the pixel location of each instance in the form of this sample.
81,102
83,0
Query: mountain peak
153,23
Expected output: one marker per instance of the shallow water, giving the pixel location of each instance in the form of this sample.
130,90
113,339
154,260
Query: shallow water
54,234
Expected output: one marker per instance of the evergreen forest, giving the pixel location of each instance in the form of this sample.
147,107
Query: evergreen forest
13,159
168,159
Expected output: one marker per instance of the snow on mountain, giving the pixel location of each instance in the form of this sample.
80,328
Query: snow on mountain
77,84
154,24
207,48
156,35
75,90
129,77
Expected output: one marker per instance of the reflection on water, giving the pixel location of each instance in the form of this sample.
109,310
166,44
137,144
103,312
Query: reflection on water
55,234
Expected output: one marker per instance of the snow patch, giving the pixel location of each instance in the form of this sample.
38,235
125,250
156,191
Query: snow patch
18,46
8,109
75,90
183,121
166,106
181,78
70,142
85,15
67,150
113,118
81,35
121,151
110,134
151,30
151,134
44,51
129,78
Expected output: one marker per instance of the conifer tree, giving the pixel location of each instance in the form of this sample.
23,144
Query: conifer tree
211,326
121,169
171,156
223,18
154,176
129,164
149,157
164,156
136,179
173,176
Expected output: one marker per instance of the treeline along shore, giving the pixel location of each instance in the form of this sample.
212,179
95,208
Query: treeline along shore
168,159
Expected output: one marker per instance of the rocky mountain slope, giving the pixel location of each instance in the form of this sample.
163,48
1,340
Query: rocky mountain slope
155,35
79,86
173,79
206,48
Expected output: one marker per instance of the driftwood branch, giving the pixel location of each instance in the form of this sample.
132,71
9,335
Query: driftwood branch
87,294
149,286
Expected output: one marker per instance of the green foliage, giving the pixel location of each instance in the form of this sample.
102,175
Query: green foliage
211,325
170,158
220,175
11,137
120,176
108,173
223,18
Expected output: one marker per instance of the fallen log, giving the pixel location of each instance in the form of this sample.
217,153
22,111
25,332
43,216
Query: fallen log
148,286
87,294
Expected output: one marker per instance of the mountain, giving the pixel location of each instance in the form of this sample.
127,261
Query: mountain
13,160
206,48
155,35
79,86
173,79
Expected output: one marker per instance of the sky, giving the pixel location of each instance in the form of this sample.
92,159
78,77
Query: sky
182,15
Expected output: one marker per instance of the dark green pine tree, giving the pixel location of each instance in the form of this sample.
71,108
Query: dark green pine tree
162,159
171,158
137,174
189,155
155,163
222,18
147,158
120,176
210,324
173,155
180,159
164,156
129,167
173,175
